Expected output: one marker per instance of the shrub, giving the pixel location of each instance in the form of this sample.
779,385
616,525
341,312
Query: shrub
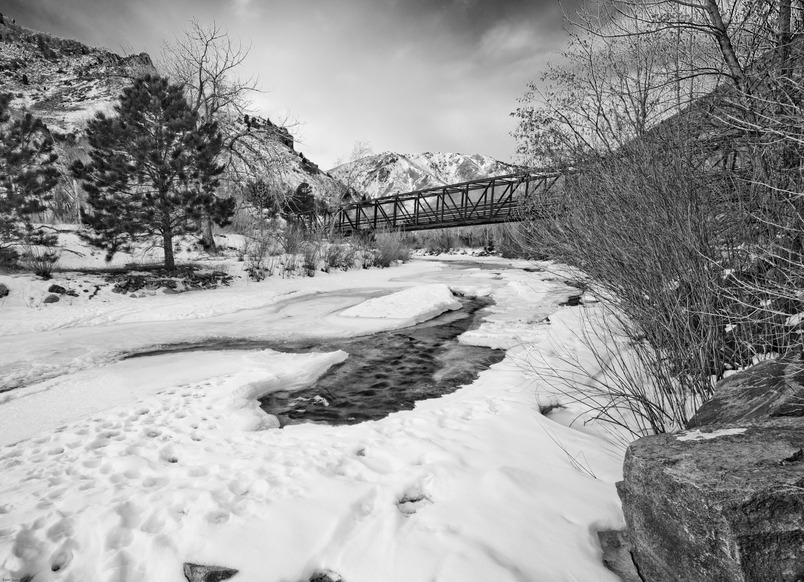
389,247
666,243
311,252
40,260
292,238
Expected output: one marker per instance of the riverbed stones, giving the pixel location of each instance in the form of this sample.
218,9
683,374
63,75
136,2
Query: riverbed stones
724,503
52,298
202,573
770,389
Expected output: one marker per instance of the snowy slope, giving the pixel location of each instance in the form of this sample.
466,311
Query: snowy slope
389,173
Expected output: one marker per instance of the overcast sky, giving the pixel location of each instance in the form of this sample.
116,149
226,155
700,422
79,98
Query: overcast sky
405,75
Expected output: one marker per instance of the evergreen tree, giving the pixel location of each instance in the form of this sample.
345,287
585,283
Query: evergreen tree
152,170
27,176
301,201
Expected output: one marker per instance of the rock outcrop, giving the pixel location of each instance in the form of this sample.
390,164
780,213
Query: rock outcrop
770,389
721,503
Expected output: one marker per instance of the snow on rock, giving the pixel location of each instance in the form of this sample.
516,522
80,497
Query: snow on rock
416,304
698,435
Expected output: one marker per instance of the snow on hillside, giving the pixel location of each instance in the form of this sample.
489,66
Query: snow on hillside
391,173
62,81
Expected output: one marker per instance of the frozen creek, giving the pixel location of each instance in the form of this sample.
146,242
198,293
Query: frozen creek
385,372
122,469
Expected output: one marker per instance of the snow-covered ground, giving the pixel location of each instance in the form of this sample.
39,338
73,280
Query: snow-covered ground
121,470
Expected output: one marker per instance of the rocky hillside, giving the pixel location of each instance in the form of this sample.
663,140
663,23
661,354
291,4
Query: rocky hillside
62,81
390,173
65,82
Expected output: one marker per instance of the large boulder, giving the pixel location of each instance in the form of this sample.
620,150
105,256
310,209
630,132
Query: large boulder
770,389
719,504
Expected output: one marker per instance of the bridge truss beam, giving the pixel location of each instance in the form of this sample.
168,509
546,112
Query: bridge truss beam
482,201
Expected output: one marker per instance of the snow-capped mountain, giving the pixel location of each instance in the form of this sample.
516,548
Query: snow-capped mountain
391,173
65,82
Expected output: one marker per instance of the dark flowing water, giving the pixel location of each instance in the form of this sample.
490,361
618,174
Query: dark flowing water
389,371
385,372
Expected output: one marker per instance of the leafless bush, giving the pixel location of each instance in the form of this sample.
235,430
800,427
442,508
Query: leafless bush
621,381
439,241
389,247
40,260
311,255
292,238
338,254
662,239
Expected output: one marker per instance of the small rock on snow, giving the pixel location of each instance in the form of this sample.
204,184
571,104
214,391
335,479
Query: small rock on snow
201,573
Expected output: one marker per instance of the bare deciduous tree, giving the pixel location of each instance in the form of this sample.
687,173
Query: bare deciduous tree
207,61
350,174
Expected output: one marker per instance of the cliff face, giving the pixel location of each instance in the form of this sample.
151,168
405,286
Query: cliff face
62,81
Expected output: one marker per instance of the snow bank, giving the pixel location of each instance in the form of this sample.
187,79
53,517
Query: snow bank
416,304
128,470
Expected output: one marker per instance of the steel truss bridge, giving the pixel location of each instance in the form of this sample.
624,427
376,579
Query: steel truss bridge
492,200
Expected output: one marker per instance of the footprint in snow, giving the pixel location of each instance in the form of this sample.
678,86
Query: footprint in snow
412,500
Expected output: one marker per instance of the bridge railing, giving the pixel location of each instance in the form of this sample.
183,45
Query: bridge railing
481,201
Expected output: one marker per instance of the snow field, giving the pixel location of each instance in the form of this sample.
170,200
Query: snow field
130,469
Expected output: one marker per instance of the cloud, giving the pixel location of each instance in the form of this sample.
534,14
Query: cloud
408,75
510,41
245,8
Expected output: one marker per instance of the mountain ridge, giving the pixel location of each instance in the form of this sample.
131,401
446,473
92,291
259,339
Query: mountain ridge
390,173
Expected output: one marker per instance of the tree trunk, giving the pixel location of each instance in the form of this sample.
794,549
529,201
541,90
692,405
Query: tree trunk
207,240
167,245
783,36
77,199
726,48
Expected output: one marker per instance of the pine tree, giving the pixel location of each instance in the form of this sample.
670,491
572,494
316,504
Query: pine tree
152,170
27,177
